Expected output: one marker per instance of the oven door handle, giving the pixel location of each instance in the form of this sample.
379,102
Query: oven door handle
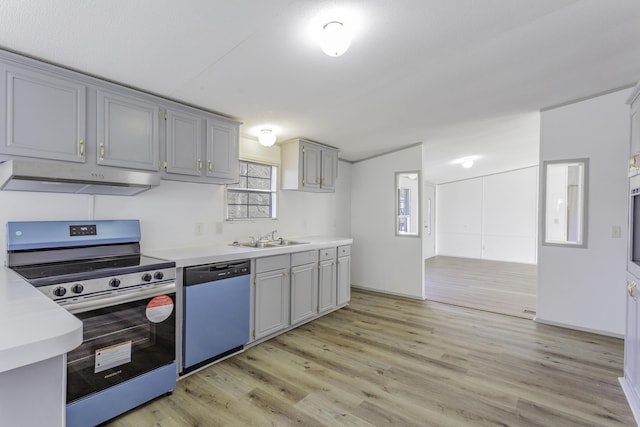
123,297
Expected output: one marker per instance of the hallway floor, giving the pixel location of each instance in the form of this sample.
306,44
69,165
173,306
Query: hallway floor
494,286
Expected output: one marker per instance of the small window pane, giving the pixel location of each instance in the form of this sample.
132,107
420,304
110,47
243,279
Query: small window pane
243,168
259,212
259,171
259,183
236,198
242,183
237,211
260,199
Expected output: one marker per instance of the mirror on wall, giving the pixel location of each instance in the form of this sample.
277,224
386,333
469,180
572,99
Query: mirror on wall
408,203
564,202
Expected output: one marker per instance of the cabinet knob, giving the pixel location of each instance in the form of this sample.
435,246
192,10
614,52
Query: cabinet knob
101,151
210,165
630,287
199,165
81,148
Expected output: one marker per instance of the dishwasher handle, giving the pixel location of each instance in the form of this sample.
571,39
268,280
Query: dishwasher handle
213,272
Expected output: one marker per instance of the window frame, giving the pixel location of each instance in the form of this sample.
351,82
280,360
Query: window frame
273,192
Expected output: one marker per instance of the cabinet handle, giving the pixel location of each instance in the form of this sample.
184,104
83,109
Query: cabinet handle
199,165
630,287
81,149
210,165
102,151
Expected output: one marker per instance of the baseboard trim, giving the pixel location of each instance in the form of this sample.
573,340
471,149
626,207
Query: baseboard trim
578,328
395,294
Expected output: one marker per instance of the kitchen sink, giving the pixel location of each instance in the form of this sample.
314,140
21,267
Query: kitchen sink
269,244
285,242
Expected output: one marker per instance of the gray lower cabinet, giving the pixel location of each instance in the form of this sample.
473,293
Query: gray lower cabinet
271,300
127,131
344,275
327,280
304,286
42,114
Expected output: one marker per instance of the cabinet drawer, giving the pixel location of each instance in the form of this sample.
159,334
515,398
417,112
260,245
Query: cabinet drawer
301,258
329,253
344,250
271,263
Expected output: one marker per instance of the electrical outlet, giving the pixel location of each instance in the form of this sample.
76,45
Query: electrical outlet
199,229
616,232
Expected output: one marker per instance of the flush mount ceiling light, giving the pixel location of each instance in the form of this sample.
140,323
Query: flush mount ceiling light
467,163
335,38
266,137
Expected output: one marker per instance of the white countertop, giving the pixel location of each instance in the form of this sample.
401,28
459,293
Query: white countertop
34,328
224,252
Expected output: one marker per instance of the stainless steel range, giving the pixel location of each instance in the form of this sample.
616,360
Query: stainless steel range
126,302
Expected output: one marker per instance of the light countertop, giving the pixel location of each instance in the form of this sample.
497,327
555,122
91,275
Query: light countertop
224,252
35,328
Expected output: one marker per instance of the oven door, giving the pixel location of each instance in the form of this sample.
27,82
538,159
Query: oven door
125,335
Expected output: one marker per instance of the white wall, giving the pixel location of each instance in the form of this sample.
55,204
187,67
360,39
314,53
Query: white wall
169,213
492,217
381,260
585,288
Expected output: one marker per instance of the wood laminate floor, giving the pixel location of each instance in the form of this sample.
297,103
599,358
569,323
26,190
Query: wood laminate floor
499,287
385,360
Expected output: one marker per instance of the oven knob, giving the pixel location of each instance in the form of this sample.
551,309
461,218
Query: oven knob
146,277
158,275
77,288
114,283
59,291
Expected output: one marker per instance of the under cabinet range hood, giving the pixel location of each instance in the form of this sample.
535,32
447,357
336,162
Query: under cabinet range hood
55,177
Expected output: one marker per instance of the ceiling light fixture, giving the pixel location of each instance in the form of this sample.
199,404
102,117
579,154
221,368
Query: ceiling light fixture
335,38
467,163
266,137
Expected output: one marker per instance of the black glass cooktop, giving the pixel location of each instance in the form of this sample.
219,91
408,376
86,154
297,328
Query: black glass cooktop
63,272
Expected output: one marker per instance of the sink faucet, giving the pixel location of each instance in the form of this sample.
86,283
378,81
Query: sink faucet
266,236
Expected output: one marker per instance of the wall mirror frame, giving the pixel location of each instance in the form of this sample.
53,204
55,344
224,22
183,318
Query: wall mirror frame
565,202
408,201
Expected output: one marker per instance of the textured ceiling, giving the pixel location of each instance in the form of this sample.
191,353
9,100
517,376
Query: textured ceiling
466,77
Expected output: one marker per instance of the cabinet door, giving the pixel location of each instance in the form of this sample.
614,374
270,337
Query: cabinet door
311,164
304,292
127,131
184,143
344,280
632,340
327,285
222,151
272,302
329,169
42,115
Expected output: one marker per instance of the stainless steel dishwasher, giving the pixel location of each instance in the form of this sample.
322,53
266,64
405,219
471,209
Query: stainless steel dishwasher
216,312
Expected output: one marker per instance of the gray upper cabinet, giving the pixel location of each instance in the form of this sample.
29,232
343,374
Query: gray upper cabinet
184,143
200,147
222,150
42,114
127,131
308,166
54,113
329,169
